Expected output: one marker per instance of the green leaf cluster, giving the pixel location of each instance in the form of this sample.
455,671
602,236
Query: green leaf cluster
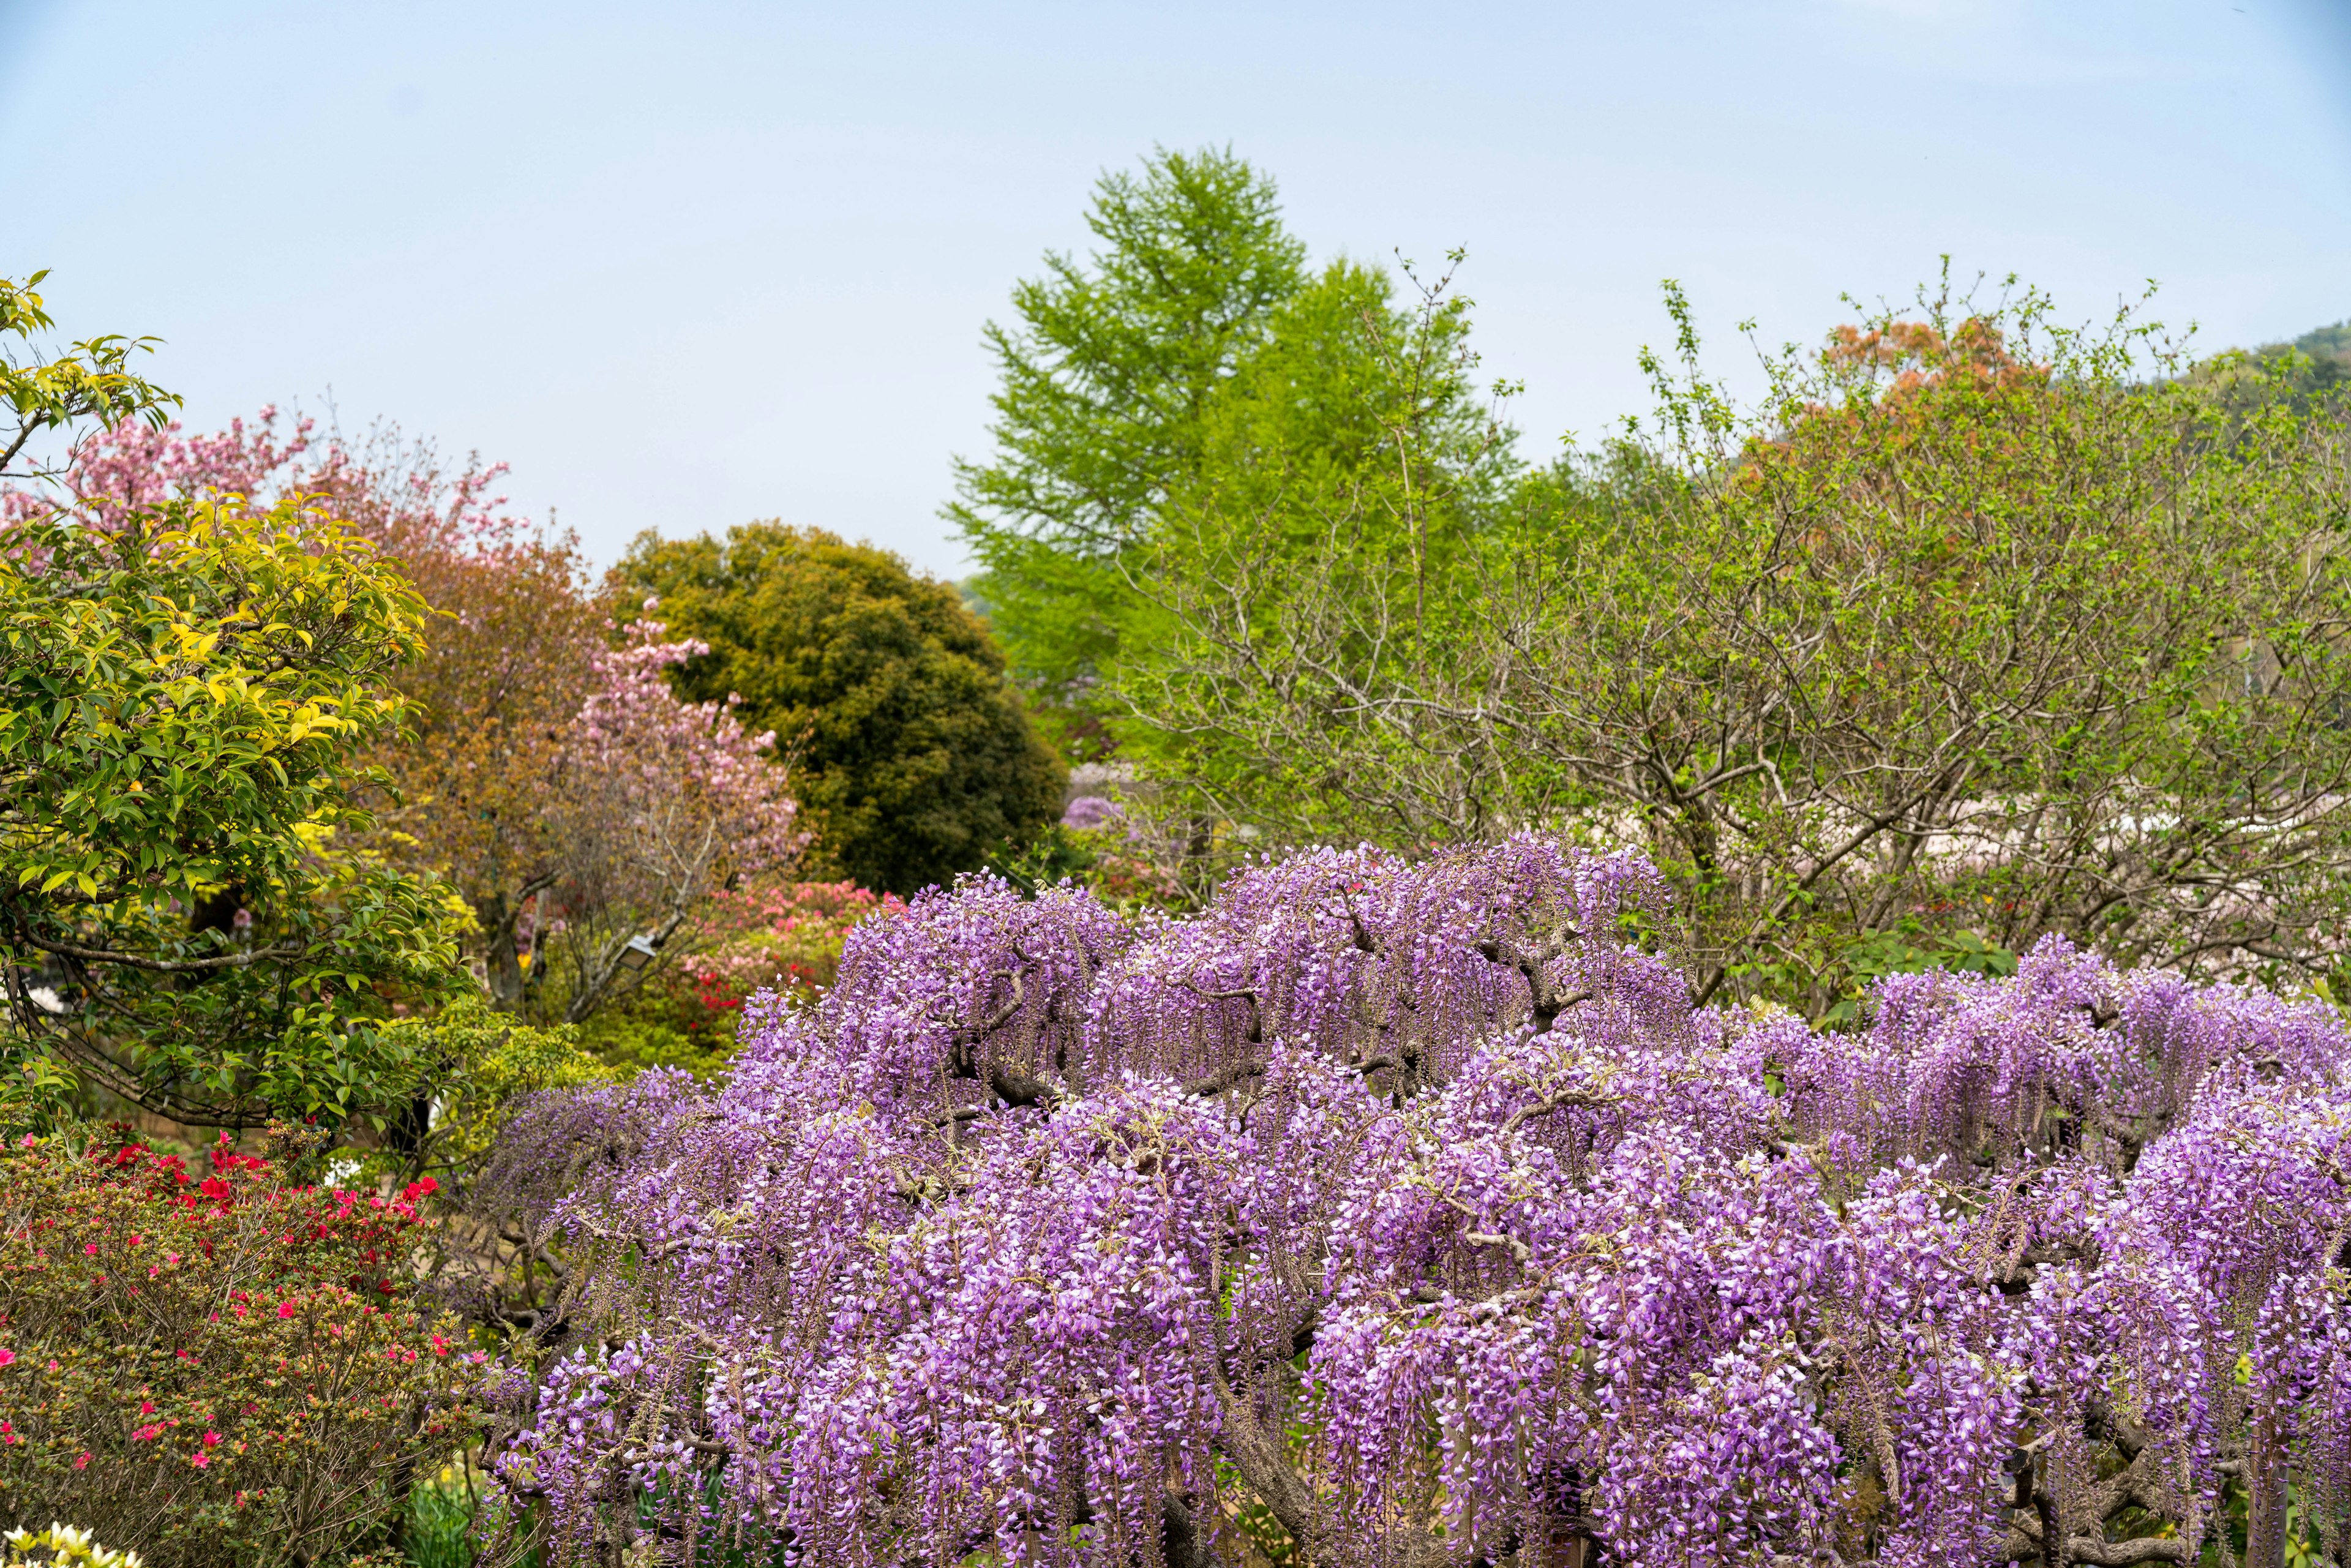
91,379
1976,630
1108,373
484,1064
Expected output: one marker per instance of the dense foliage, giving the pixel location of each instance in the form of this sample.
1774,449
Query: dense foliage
184,697
1395,1213
481,1063
219,1366
911,753
770,934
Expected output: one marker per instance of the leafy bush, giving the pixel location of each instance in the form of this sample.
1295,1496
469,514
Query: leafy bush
777,935
1390,1213
220,1370
1092,847
182,700
445,1520
484,1063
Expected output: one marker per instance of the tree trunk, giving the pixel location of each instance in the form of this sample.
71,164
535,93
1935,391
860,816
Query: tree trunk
1564,1535
2265,1493
501,966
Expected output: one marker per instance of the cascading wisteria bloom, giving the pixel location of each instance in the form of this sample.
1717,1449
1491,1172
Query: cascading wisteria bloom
1395,1213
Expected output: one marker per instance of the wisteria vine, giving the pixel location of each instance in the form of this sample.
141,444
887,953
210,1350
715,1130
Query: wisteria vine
1395,1213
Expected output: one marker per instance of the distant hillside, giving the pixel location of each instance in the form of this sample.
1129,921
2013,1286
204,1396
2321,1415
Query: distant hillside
2329,348
2251,374
2327,342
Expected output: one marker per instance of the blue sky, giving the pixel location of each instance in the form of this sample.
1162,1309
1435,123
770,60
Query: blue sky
686,265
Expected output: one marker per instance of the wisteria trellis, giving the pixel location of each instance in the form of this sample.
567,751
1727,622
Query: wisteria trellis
1409,1212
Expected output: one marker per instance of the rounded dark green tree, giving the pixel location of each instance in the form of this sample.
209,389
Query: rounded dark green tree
912,754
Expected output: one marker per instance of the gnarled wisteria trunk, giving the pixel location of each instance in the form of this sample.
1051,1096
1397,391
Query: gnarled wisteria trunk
1396,1213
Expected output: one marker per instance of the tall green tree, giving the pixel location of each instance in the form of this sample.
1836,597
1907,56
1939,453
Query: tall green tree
1351,459
912,753
1108,371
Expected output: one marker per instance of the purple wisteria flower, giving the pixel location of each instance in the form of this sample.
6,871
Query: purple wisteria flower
1405,1213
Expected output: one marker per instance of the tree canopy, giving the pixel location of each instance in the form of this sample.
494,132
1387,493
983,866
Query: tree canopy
910,752
1972,632
1107,375
544,770
185,699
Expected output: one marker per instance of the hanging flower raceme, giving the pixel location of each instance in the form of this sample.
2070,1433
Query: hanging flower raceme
1400,1213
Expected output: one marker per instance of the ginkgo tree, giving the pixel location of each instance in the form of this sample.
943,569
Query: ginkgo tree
186,693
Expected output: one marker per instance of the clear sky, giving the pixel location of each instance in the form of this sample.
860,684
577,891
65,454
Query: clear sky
685,265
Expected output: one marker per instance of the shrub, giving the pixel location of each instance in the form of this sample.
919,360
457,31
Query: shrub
220,1370
777,935
1398,1213
484,1063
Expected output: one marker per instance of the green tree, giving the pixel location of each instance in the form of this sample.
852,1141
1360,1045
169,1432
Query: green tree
1106,379
183,698
186,691
911,753
1350,464
1975,632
